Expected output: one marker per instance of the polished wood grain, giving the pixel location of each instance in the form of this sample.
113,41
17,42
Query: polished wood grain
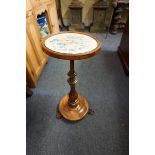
73,95
71,56
73,113
73,107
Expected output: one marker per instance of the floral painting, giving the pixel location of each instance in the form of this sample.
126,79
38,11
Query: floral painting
71,43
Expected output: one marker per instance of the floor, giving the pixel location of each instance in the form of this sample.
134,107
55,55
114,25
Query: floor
102,81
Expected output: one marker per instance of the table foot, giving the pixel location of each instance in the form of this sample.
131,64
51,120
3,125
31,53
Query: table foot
91,111
73,113
58,115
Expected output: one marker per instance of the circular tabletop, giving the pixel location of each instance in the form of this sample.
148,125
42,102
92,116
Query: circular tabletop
71,45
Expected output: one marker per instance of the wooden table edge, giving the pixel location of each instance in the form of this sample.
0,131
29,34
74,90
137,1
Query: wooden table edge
66,56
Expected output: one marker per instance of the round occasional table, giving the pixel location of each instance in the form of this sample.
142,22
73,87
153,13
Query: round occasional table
72,46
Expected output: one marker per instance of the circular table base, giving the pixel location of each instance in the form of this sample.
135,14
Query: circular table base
73,113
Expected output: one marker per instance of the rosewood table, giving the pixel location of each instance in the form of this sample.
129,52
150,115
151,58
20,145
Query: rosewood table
72,46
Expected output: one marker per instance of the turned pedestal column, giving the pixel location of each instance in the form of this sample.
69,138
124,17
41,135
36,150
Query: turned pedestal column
73,106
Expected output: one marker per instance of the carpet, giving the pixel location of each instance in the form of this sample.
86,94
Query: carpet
102,81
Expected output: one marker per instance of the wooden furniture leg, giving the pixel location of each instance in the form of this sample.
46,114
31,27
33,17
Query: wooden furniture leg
73,106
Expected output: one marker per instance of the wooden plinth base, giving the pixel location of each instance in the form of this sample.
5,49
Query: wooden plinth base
73,113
